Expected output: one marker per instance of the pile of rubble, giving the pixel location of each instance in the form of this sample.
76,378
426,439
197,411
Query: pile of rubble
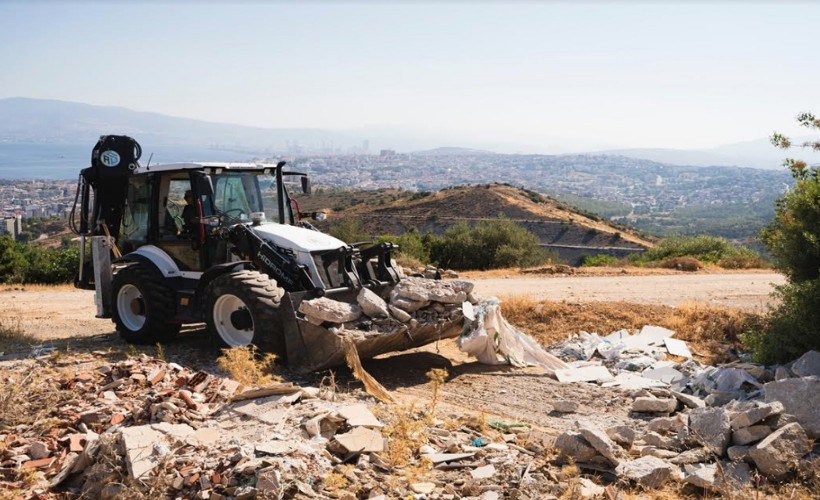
145,427
706,425
411,303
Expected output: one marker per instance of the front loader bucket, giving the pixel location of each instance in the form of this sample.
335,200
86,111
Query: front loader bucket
313,348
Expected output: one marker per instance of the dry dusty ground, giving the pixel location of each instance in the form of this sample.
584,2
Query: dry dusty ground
64,318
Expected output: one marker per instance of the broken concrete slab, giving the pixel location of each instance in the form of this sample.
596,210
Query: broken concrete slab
277,447
143,448
777,455
648,471
807,365
484,472
330,310
630,381
372,305
358,415
657,334
801,398
677,347
583,374
667,375
654,405
361,440
711,428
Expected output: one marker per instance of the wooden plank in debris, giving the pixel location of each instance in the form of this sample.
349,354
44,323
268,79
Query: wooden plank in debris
273,390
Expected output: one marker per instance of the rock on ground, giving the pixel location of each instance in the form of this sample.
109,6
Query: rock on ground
777,455
648,471
330,310
710,427
801,398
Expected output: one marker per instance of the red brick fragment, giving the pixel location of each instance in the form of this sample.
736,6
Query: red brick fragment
117,418
38,464
186,396
156,376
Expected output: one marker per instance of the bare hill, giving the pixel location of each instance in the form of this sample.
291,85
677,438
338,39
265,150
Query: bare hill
561,227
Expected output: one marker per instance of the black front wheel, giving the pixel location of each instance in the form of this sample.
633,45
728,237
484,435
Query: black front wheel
142,306
242,308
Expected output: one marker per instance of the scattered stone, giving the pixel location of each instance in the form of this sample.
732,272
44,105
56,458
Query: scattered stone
361,440
776,455
423,488
748,435
484,472
648,471
654,405
739,453
710,427
399,314
756,414
807,365
622,434
572,445
689,400
330,310
800,397
601,442
588,489
38,450
695,455
564,406
371,304
718,477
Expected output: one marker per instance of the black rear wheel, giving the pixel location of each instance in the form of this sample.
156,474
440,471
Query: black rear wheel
242,308
142,305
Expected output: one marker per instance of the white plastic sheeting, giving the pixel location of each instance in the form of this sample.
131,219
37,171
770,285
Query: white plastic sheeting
493,341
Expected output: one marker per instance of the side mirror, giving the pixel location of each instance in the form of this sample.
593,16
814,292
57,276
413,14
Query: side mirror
320,216
305,185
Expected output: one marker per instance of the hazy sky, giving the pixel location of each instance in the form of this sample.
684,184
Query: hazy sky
586,74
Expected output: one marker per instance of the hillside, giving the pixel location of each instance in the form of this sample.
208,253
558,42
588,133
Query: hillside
567,230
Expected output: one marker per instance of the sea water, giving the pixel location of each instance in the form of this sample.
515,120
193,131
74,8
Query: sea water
64,161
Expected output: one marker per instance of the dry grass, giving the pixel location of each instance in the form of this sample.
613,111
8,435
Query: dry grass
12,337
30,397
709,330
437,377
247,366
406,429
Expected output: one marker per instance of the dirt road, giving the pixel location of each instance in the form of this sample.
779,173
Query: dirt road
66,317
63,312
740,290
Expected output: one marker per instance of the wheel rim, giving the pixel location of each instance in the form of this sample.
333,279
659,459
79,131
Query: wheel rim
227,309
131,307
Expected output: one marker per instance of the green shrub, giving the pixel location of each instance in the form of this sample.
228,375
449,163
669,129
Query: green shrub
600,260
706,249
411,245
791,327
490,244
24,263
348,230
688,264
793,238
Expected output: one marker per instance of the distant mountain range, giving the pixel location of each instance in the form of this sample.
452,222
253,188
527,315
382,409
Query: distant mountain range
39,121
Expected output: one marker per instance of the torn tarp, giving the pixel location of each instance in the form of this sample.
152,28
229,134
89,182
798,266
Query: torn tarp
492,340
